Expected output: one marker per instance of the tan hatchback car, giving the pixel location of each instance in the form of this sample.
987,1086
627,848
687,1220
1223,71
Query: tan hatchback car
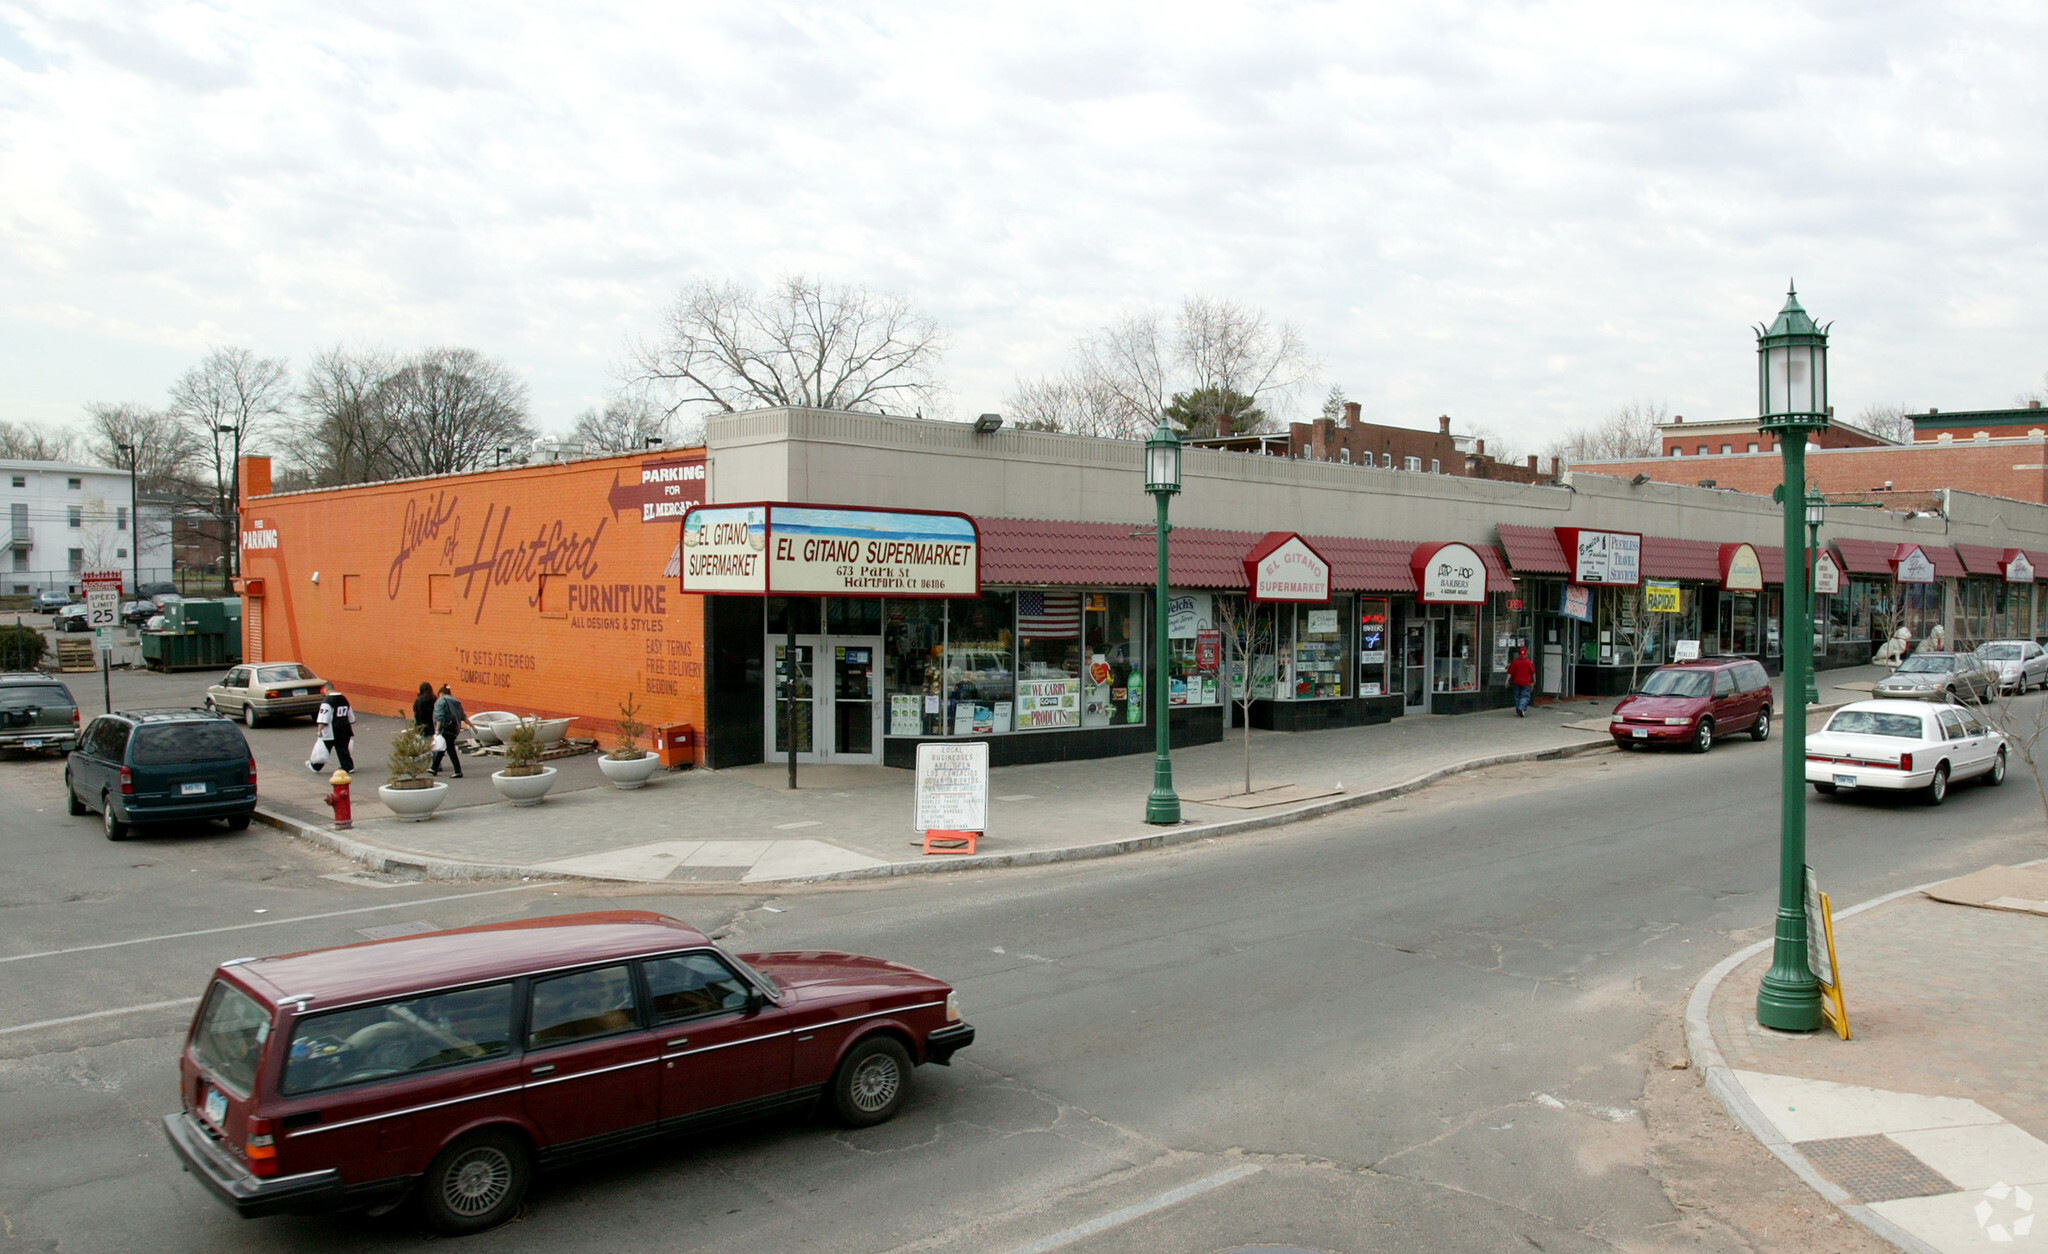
262,690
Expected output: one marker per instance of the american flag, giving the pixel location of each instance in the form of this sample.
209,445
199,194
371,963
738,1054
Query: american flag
1049,615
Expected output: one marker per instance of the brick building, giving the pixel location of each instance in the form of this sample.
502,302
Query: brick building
1902,476
1349,441
1719,436
1934,426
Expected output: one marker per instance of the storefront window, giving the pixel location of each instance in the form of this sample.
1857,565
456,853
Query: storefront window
1190,621
1248,626
1739,635
981,684
1320,650
1456,666
853,616
793,708
1372,647
1113,625
913,677
1048,660
1922,608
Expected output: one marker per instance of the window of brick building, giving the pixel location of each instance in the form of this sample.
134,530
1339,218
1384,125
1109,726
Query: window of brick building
1727,448
1344,455
1752,446
1703,450
1436,466
1411,464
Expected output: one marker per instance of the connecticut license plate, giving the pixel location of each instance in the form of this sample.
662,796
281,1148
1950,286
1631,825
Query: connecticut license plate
1845,781
216,1107
191,790
31,744
1640,733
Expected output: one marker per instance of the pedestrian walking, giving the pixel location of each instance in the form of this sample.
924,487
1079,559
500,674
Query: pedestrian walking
449,720
423,710
337,720
1522,678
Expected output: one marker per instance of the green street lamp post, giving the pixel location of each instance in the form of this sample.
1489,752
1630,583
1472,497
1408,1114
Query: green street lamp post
1792,391
1816,514
1162,480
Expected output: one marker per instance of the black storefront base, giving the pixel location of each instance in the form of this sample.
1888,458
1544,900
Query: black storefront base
1199,725
1295,716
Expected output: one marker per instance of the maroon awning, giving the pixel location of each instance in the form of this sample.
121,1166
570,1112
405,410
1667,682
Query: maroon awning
1533,550
1979,559
1664,558
1865,557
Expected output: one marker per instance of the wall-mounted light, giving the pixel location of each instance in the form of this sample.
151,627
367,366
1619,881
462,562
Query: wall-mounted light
987,423
1640,480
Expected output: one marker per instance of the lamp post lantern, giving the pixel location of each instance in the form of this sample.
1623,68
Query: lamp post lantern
1792,395
1816,514
1162,480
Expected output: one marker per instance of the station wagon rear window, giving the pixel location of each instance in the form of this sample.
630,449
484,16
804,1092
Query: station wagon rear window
173,744
229,1038
1872,723
41,696
398,1038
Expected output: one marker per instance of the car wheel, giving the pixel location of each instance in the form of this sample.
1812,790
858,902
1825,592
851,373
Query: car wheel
248,714
115,828
476,1183
239,823
1703,736
1937,792
1762,729
1825,790
1951,694
211,708
78,808
872,1082
1996,775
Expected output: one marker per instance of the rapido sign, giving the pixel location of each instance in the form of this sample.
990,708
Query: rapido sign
806,550
1283,567
1448,574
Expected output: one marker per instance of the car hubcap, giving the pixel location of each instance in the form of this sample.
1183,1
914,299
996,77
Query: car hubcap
875,1083
1940,785
477,1181
1763,725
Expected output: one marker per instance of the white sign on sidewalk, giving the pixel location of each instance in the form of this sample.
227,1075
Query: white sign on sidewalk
952,787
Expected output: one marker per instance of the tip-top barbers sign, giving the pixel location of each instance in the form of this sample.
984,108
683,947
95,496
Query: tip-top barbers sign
1448,574
1910,564
804,550
2016,567
1604,557
1282,567
1827,576
1742,570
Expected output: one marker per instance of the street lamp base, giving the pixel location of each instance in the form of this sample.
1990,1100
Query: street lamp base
1162,807
1788,1001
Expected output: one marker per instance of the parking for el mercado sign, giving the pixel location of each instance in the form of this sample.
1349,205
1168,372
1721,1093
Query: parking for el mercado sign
808,550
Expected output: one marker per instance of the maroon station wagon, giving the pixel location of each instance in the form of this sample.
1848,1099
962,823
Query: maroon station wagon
448,1066
1693,703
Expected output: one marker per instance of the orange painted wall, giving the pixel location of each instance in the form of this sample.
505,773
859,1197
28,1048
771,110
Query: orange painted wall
554,588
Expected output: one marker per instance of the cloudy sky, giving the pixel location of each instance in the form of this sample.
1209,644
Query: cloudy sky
1520,214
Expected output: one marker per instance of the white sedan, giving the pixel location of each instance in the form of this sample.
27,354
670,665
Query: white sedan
1904,746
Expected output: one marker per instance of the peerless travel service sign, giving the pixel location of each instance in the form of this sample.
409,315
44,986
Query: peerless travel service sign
808,550
1607,557
1282,567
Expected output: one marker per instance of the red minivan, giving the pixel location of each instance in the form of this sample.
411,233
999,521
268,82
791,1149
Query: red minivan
449,1066
1691,703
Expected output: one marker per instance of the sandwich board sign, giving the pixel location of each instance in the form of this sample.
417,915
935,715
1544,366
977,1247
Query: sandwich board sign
952,787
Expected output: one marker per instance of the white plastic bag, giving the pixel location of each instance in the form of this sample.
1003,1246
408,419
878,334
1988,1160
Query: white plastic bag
440,743
319,757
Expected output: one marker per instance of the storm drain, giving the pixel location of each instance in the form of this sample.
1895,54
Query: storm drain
1874,1168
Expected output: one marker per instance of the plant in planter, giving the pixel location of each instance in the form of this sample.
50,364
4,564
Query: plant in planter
524,781
409,794
629,766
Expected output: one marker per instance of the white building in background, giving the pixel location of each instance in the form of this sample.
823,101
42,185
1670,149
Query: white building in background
63,518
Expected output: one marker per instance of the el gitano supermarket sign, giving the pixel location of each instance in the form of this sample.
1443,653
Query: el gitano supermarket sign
767,549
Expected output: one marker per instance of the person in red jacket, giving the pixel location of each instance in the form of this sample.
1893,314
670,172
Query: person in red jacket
1522,676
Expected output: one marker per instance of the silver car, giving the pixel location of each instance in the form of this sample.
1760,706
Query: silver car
2021,664
1931,676
261,690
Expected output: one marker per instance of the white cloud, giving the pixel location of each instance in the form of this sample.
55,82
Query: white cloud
1520,214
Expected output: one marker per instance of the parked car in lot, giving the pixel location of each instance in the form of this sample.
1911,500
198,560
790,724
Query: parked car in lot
156,589
160,766
451,1065
267,690
36,712
1904,746
1691,703
2020,664
50,600
71,618
137,612
1933,676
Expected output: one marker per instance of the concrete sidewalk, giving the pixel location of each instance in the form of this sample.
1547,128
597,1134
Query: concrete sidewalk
1931,1125
744,825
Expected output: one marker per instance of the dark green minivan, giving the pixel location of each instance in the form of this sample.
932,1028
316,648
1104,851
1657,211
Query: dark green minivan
161,766
36,712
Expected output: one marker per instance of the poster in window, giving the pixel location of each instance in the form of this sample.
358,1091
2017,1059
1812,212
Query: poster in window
1209,651
1577,602
906,714
1188,614
1045,703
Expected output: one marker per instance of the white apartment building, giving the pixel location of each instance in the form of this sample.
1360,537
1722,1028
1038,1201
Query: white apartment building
63,518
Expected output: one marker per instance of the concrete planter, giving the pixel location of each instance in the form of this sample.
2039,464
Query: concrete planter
629,772
414,805
524,790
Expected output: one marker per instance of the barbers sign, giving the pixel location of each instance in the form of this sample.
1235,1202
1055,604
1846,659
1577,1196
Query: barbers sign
1448,574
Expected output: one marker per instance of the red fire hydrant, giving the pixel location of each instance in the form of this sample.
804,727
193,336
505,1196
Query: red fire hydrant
337,800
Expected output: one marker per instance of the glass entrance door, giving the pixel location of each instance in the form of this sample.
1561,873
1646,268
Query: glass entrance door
856,703
837,711
785,715
1415,660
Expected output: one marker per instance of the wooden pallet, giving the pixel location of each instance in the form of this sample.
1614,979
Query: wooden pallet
568,747
76,655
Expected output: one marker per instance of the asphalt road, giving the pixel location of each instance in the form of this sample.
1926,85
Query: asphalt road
1443,1023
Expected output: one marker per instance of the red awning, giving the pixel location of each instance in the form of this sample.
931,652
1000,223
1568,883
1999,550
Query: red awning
1681,559
1865,557
1533,550
1980,559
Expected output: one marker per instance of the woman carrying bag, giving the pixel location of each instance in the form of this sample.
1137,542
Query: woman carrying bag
449,720
337,720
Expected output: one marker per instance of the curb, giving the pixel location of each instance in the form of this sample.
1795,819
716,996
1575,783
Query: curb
1720,1080
293,823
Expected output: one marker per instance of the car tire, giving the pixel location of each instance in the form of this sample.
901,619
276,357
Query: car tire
1937,792
211,708
1996,775
872,1082
239,823
248,714
1703,736
1761,729
1824,789
115,828
476,1184
78,808
1952,694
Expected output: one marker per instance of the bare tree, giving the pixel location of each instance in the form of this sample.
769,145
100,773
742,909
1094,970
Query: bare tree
1247,636
802,343
1893,422
626,424
1233,348
345,434
1074,402
1629,432
1499,447
2024,722
444,410
228,402
35,442
161,451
